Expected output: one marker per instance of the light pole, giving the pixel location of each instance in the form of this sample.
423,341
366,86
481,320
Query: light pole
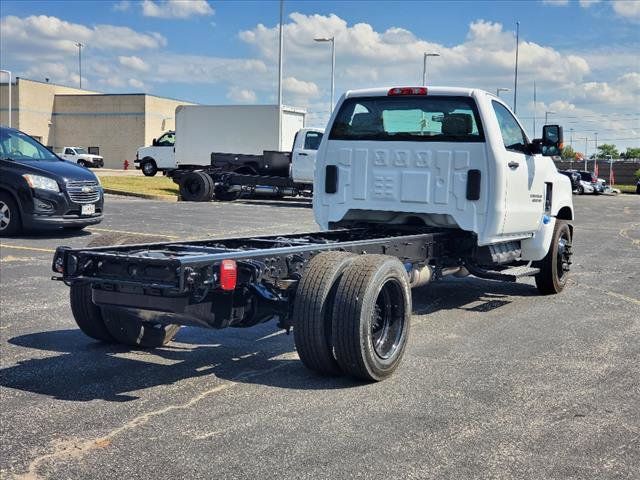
596,134
333,65
8,73
498,90
515,80
424,65
571,137
280,49
80,45
546,116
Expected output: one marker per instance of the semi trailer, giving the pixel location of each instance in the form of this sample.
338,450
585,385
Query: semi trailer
411,184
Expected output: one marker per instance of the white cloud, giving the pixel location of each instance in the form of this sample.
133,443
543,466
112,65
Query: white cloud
556,3
300,87
622,92
176,8
627,8
588,3
242,95
122,6
45,36
136,83
134,63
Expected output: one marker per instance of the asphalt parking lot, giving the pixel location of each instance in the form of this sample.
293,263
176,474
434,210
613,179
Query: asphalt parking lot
497,382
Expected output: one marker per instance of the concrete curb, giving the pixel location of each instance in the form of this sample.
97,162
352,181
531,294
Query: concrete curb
164,198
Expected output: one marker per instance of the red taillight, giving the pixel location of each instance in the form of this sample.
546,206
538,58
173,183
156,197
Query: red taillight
228,275
407,91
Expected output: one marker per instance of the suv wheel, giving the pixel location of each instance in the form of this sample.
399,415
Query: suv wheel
9,216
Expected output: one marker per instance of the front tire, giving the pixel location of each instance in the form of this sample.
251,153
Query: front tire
554,267
149,168
10,223
580,190
372,317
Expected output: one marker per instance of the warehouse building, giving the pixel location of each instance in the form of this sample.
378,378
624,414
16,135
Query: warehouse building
114,125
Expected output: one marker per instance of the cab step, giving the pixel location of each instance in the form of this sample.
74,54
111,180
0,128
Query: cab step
508,275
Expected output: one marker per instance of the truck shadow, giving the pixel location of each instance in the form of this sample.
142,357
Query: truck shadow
55,234
294,203
86,370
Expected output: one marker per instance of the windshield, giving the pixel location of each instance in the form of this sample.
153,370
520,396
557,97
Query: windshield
423,118
80,151
19,146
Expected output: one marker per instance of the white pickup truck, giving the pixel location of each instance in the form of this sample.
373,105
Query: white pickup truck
80,156
411,184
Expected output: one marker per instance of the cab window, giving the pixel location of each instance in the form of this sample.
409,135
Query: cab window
69,151
312,140
513,136
167,140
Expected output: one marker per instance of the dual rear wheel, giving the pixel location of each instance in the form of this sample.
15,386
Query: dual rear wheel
117,325
352,315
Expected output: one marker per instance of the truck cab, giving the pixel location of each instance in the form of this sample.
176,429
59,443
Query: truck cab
442,157
80,156
160,156
303,154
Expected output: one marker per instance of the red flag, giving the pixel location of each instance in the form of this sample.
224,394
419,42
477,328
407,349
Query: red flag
595,169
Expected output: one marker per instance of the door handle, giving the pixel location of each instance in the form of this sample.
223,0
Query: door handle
513,165
302,154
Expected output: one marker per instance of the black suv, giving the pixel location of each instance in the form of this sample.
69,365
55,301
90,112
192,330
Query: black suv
40,190
574,177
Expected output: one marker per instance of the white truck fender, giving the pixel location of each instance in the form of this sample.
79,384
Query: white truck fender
536,247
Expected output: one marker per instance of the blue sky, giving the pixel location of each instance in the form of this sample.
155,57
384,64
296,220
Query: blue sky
582,54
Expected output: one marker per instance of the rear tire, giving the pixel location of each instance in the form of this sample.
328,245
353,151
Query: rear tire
10,222
372,317
92,320
554,267
149,168
313,309
580,190
196,187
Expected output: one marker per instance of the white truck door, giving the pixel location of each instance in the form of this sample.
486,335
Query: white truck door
164,151
524,202
304,155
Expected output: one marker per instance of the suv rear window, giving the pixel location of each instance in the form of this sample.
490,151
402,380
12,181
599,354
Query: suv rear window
408,118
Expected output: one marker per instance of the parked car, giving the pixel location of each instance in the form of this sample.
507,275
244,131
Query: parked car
588,183
574,177
80,156
38,189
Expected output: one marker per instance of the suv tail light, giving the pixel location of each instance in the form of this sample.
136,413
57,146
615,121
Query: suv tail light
407,91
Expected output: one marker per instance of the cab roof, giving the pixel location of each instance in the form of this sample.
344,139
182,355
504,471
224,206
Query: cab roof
383,91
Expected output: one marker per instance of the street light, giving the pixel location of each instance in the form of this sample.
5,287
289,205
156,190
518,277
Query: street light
333,64
546,116
424,66
8,73
80,45
498,90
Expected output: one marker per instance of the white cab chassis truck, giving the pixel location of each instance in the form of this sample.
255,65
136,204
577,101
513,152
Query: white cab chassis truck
80,156
411,184
160,156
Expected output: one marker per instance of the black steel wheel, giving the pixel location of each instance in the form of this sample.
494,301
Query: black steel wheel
196,187
10,222
555,266
313,310
149,167
372,317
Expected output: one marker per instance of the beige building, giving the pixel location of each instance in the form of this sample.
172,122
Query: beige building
59,116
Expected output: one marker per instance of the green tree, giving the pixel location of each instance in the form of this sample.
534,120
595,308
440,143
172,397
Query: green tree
607,149
631,153
568,153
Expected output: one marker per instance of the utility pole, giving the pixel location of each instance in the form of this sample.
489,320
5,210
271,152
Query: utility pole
571,137
80,45
534,108
515,80
280,49
424,65
596,144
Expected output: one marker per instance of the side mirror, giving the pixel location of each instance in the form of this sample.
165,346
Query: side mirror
155,142
552,140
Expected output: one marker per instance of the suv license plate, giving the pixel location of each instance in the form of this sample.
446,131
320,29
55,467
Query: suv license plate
87,209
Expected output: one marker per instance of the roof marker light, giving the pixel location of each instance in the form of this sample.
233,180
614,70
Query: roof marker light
407,91
228,275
